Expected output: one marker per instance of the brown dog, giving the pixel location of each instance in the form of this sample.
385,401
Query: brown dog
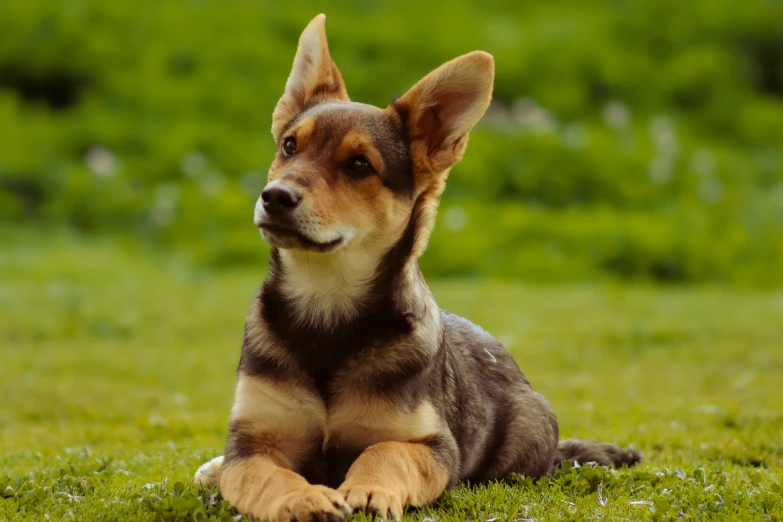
351,377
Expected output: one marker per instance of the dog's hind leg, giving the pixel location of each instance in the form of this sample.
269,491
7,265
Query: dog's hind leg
530,439
523,439
603,453
209,472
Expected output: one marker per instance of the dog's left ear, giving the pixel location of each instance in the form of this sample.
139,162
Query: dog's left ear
314,76
442,108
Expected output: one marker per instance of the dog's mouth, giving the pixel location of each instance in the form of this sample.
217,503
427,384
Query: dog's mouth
289,238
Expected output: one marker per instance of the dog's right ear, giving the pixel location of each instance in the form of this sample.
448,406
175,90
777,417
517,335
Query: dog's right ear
314,76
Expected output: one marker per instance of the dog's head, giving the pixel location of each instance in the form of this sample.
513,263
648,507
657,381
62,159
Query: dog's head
348,174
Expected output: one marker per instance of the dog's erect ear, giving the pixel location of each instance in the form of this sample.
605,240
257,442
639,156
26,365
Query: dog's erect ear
314,76
442,108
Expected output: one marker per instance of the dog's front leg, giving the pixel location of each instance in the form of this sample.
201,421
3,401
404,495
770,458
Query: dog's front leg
273,428
260,487
390,475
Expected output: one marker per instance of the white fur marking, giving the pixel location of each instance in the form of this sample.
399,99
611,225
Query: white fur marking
328,288
209,472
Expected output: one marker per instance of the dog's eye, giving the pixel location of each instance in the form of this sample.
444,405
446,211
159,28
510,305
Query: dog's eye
289,146
359,167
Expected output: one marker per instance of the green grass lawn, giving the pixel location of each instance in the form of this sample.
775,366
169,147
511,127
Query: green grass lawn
117,372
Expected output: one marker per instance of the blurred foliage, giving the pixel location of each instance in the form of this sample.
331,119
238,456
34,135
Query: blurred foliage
639,139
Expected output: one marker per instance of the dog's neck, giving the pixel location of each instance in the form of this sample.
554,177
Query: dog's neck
326,289
346,308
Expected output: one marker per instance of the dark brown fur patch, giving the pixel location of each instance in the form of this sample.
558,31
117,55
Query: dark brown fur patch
242,441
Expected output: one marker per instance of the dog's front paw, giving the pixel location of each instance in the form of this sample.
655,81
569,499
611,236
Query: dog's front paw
313,503
372,499
209,472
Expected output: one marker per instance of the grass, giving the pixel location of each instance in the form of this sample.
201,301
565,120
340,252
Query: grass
117,368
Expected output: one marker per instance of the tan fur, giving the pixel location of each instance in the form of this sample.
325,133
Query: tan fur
358,142
264,488
390,475
284,418
302,132
430,198
288,418
363,421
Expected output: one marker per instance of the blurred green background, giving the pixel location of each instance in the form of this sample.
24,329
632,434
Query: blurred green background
630,143
630,140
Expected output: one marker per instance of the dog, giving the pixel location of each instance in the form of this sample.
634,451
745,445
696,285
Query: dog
355,392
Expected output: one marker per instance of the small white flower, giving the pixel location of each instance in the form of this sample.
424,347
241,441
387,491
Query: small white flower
193,163
529,115
664,136
576,137
616,115
156,420
100,161
455,219
165,203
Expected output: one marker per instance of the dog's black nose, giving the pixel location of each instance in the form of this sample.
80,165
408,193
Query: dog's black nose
279,199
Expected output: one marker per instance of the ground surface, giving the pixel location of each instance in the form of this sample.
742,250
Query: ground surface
116,374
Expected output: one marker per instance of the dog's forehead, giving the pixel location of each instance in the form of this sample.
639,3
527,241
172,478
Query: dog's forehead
339,117
344,107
